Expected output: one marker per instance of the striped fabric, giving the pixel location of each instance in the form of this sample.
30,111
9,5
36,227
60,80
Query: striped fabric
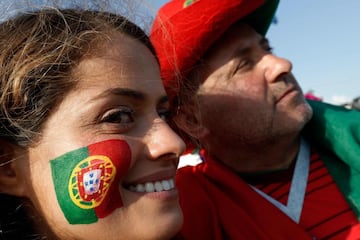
326,214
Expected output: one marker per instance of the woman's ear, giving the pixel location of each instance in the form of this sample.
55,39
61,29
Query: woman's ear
11,181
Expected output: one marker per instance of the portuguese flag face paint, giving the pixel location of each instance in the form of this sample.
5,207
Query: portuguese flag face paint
87,180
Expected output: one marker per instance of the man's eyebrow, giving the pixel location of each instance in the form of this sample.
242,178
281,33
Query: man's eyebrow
126,92
264,41
241,51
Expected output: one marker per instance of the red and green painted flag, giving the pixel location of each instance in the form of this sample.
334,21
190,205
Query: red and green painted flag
87,180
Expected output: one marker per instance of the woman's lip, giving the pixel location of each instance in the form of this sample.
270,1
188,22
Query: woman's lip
171,194
153,177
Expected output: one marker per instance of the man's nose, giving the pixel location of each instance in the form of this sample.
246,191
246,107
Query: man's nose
275,66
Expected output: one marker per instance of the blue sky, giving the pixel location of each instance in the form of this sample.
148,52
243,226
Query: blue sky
322,39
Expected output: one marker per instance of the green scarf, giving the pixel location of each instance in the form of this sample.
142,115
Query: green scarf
335,131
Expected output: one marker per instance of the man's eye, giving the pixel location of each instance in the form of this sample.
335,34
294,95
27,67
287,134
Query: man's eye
268,49
243,65
165,114
122,116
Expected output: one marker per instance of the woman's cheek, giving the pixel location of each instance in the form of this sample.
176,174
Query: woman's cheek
86,180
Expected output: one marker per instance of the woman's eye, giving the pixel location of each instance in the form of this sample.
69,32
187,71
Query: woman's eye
121,116
165,114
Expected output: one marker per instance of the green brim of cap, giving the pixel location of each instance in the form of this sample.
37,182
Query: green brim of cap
262,17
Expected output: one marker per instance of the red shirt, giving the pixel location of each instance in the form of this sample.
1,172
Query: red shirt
325,214
218,204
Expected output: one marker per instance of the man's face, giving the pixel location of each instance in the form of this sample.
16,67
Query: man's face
248,96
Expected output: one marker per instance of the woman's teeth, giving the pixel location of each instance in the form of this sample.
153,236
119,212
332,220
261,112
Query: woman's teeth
150,187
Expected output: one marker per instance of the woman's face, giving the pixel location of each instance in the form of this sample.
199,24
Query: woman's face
105,165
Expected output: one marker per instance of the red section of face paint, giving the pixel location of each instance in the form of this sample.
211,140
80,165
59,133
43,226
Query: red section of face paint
120,154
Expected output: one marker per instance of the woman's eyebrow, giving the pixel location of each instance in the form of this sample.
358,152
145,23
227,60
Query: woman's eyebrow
126,92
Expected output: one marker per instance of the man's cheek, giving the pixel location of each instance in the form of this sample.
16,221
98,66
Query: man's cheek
86,180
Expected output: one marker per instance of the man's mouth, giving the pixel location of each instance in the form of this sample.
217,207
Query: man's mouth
285,94
150,187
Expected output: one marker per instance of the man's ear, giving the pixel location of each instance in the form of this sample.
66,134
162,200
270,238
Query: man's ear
11,181
189,120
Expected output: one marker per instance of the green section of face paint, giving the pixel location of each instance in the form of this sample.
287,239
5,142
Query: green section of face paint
62,168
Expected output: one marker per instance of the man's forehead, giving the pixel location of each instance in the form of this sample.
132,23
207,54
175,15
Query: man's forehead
242,30
238,35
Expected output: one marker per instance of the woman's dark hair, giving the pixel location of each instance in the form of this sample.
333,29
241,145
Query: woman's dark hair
39,51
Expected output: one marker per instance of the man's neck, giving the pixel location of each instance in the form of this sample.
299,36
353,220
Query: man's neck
267,157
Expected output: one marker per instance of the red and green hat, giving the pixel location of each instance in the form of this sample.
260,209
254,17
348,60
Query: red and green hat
183,31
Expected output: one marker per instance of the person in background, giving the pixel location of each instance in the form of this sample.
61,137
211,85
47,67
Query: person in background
311,96
356,103
273,166
86,151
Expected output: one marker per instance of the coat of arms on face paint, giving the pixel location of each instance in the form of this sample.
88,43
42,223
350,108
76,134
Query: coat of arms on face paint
86,180
90,181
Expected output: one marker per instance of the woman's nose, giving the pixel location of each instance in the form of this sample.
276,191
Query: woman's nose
162,140
275,66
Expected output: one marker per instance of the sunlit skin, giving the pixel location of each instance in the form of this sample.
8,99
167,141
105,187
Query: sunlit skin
119,96
250,103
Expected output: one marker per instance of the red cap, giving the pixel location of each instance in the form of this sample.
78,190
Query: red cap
183,31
